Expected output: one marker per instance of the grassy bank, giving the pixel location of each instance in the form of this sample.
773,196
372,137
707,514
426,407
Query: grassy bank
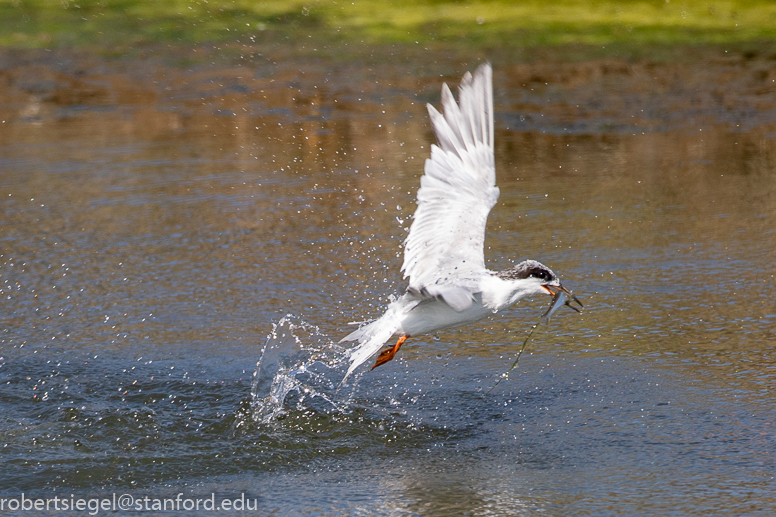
126,24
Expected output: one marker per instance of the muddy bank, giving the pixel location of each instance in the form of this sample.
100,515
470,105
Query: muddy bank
610,95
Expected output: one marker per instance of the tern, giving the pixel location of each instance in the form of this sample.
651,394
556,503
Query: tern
444,260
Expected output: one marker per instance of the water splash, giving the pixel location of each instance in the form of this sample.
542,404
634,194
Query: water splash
298,358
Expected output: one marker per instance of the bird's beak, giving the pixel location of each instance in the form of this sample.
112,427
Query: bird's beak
552,290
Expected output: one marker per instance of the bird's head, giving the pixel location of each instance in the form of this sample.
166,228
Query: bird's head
534,278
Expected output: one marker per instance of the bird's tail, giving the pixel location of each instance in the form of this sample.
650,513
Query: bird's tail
370,338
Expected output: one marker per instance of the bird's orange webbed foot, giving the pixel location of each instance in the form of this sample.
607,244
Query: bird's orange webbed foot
387,355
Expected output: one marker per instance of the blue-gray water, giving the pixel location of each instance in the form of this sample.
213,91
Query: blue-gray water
162,227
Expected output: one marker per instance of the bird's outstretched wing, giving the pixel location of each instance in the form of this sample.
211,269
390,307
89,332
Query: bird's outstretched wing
443,253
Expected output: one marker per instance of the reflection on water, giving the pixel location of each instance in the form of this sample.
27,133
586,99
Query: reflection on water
158,223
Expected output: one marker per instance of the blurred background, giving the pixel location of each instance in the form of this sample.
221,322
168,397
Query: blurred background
199,197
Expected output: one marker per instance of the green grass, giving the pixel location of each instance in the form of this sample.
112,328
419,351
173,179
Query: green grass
126,24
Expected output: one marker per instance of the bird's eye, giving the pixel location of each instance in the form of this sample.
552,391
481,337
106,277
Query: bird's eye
541,275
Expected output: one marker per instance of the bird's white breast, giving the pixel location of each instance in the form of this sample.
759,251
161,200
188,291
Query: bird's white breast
431,315
498,294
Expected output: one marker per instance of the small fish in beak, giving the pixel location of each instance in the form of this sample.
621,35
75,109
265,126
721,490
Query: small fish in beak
560,296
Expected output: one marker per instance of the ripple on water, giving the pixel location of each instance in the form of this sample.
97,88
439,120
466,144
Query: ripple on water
103,422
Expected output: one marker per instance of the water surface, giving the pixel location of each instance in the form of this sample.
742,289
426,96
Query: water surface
163,227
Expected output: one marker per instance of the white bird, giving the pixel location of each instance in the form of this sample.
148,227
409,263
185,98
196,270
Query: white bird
444,251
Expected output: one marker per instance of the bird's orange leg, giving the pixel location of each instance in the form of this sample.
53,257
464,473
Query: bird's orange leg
387,355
